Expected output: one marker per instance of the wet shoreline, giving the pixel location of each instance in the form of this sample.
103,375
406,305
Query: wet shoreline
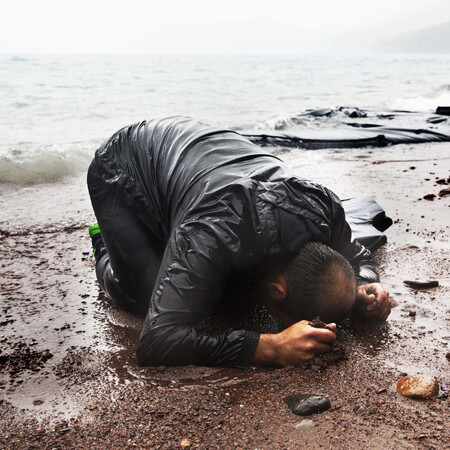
90,392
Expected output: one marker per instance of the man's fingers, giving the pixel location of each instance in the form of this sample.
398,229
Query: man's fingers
367,300
322,335
380,314
322,348
387,310
373,307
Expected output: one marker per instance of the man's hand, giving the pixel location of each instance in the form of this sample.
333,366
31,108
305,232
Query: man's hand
372,302
300,342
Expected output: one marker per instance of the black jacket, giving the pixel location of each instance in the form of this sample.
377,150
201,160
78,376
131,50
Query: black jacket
221,204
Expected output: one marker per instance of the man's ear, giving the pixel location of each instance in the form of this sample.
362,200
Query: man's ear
278,289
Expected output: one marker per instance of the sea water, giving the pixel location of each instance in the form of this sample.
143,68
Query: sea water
56,110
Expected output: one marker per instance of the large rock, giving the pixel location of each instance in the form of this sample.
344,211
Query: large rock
418,386
305,404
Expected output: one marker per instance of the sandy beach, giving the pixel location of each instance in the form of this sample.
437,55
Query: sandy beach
68,373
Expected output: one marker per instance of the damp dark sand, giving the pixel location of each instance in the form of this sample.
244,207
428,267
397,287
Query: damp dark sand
68,374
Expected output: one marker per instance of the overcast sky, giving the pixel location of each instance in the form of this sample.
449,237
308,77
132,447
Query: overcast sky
205,26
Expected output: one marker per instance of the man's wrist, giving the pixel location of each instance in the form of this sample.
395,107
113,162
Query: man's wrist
267,351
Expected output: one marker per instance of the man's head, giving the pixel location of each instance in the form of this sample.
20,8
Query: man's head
317,282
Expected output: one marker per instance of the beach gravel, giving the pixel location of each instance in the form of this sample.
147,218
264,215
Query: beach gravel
68,372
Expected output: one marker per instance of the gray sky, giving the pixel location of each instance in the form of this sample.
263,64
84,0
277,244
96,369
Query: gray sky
206,26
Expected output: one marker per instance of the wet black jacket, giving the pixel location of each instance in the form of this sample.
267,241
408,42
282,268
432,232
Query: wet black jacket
222,204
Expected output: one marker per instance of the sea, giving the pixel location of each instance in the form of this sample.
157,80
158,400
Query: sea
56,110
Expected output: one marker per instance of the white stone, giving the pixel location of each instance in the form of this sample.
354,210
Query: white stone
304,423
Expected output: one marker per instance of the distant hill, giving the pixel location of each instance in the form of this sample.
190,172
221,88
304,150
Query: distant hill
435,39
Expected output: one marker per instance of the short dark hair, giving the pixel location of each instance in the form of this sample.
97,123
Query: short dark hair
320,282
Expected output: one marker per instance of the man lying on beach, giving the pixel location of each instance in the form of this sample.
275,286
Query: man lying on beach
184,206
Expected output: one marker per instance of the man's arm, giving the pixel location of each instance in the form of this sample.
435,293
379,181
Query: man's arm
188,288
372,300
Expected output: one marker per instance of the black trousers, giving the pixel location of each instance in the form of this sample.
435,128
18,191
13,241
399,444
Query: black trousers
128,271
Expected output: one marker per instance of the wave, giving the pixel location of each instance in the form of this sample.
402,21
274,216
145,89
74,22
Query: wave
426,102
28,164
18,59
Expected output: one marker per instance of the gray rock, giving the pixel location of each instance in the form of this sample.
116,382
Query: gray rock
305,404
359,409
421,284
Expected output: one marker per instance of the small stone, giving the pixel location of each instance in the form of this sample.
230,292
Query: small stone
305,404
304,423
444,192
412,314
418,386
185,443
359,409
421,284
430,197
380,391
38,402
448,355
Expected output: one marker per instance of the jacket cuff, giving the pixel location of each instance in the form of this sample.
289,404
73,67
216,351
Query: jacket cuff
367,276
245,358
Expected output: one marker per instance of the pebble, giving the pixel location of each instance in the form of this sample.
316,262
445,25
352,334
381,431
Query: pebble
305,405
418,386
359,409
444,192
421,284
304,423
447,355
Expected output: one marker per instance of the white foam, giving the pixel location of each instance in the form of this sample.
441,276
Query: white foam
426,103
30,164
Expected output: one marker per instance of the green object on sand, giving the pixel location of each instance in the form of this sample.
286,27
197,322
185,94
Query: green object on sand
94,230
97,243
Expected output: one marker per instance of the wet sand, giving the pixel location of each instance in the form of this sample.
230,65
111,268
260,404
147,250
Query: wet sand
68,374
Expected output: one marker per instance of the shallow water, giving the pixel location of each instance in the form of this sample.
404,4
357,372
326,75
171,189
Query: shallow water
56,110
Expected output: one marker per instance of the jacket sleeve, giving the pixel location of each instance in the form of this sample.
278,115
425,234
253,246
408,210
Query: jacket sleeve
359,256
188,288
